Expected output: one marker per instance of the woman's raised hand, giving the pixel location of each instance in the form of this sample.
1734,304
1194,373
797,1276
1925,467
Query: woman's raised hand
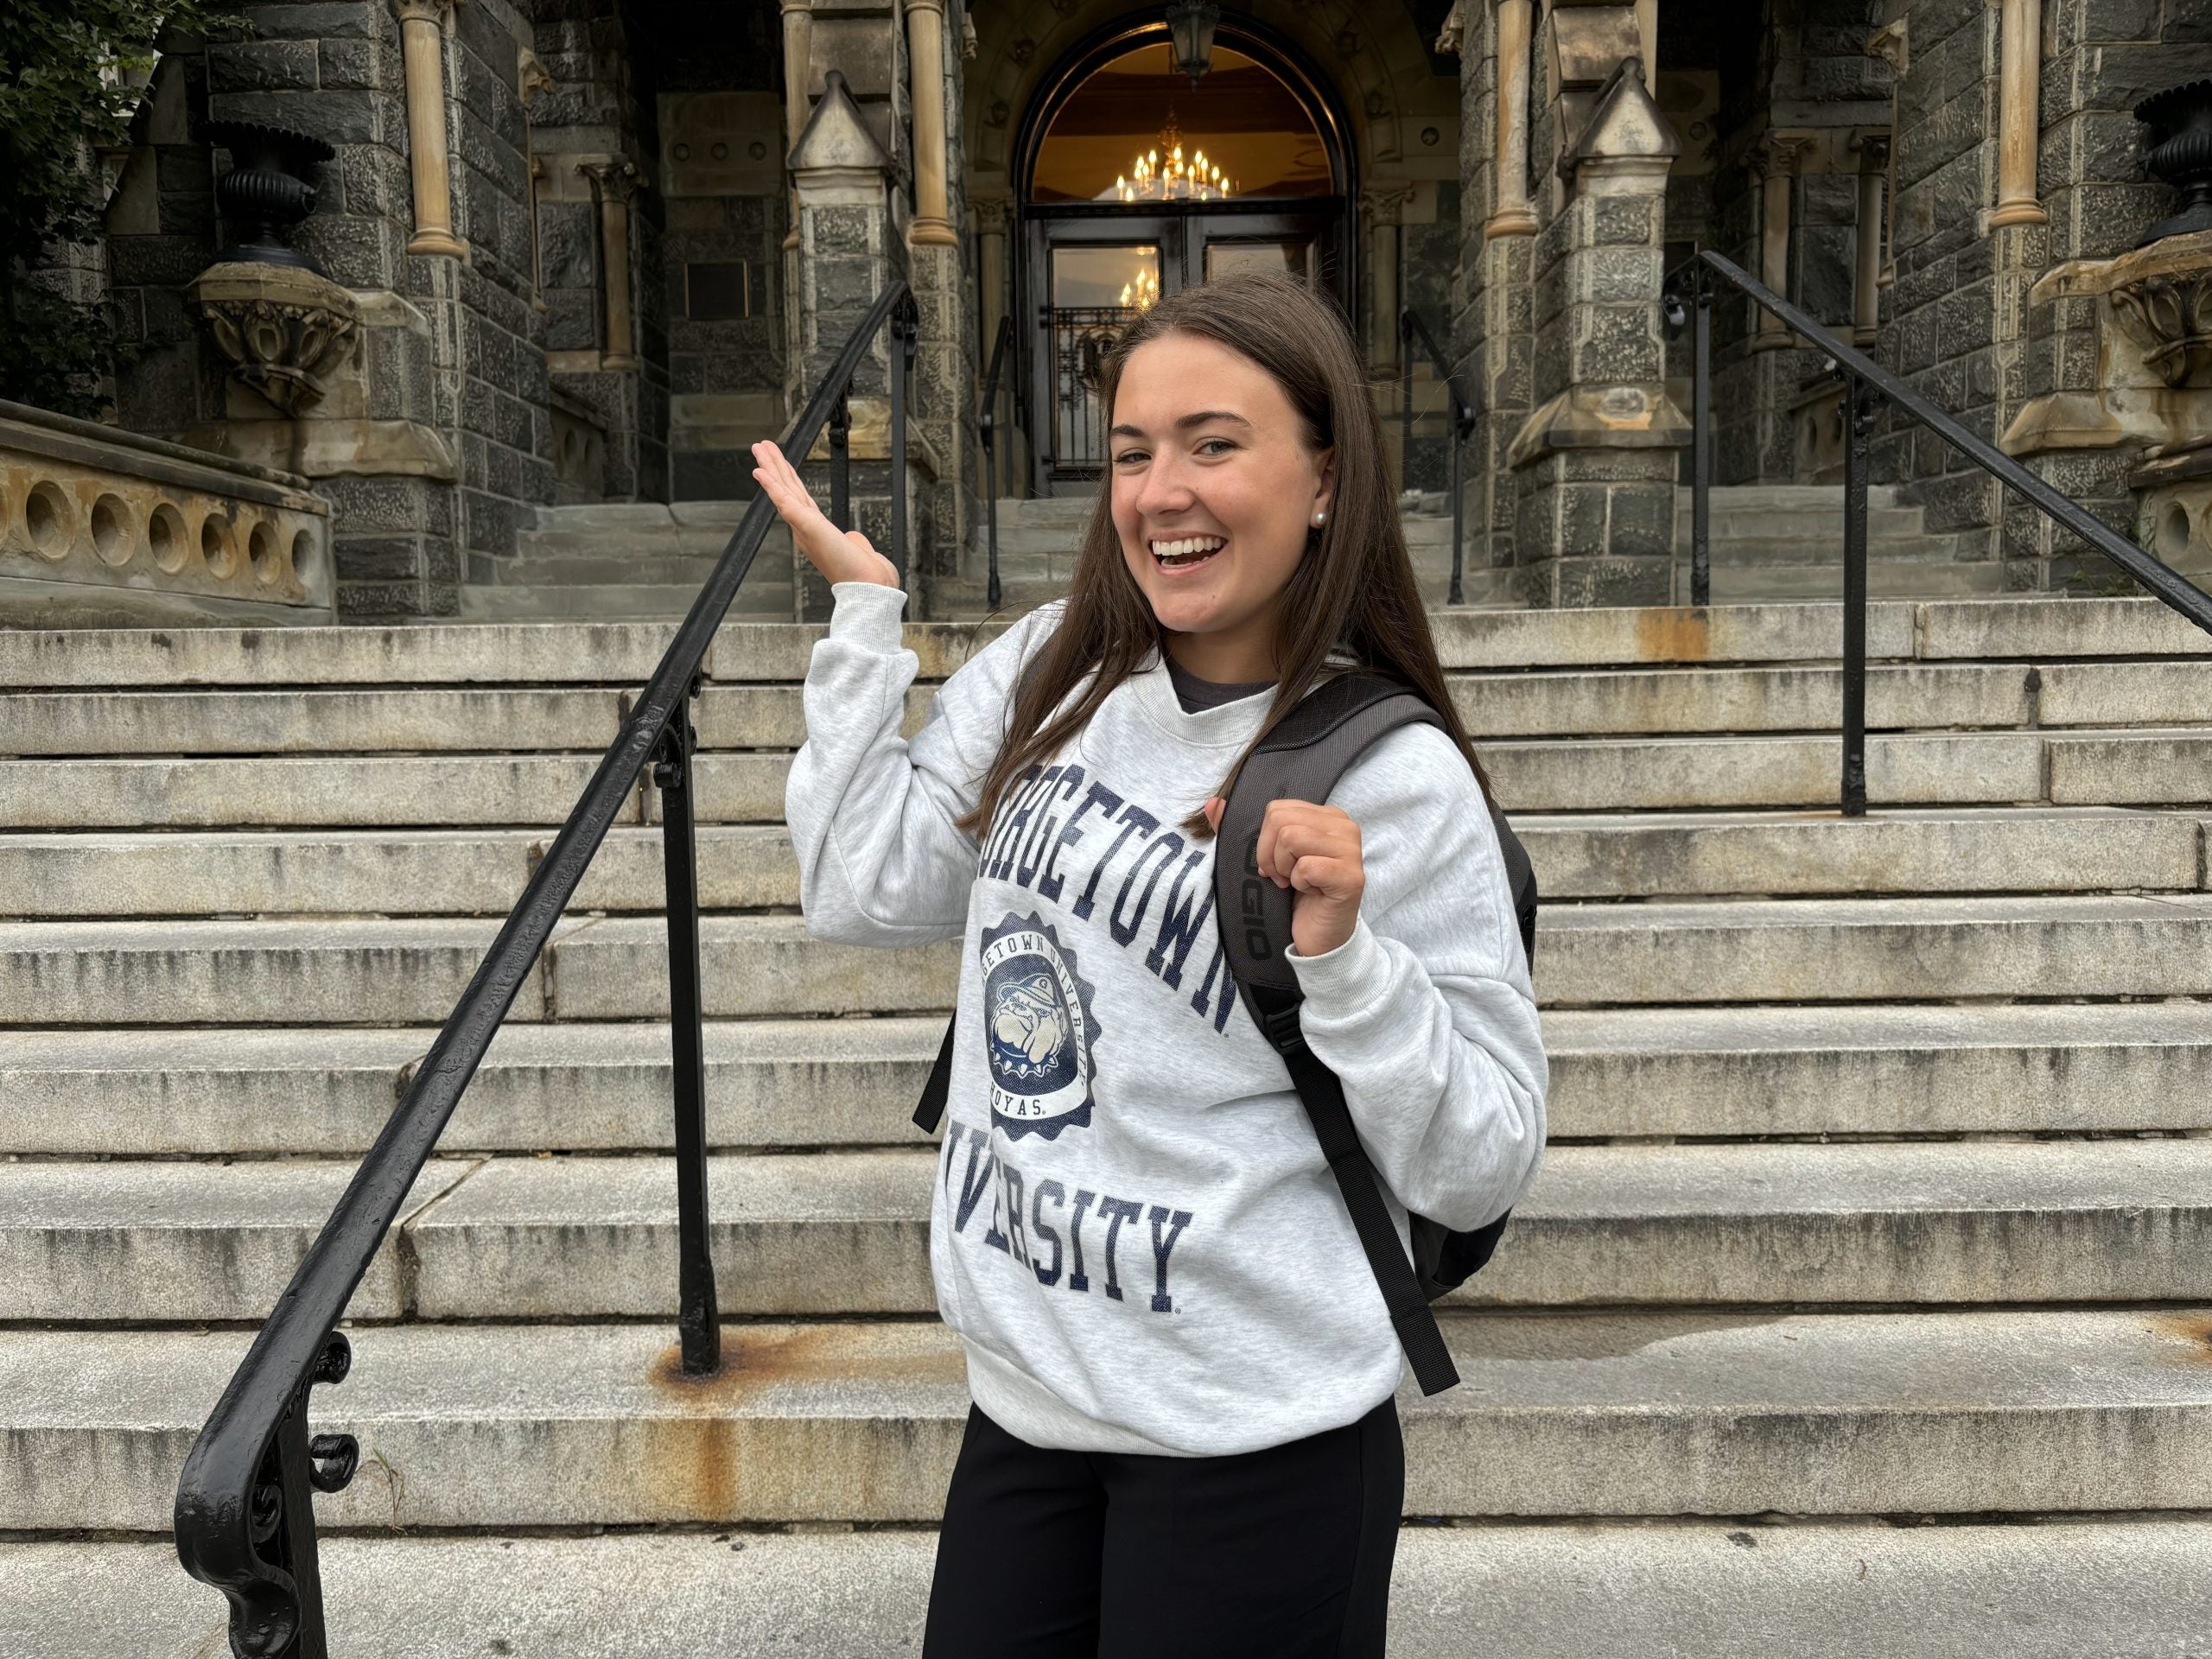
840,555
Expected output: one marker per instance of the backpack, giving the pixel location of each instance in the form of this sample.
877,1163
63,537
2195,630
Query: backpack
1301,760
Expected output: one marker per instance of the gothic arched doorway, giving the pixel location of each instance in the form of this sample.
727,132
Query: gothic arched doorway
1133,183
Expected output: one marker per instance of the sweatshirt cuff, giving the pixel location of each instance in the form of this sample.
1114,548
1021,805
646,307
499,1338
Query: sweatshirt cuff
1355,976
867,612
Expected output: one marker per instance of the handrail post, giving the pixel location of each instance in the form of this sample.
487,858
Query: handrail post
1405,399
1701,442
1462,420
840,459
698,1322
1858,419
901,357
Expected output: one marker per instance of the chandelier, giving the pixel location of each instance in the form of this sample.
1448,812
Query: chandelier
1141,290
1161,173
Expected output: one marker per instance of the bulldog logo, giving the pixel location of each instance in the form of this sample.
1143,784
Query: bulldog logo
1038,1027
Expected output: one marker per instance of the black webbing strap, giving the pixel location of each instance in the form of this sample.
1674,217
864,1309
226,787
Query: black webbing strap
1324,1095
930,1112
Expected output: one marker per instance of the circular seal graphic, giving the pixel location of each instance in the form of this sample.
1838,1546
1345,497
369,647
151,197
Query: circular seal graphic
1038,1029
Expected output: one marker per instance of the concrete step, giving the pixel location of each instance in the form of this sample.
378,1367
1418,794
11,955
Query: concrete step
165,1241
568,601
624,653
1670,1412
819,1234
2038,1067
1717,1589
1820,950
379,971
1531,776
482,872
399,971
1765,581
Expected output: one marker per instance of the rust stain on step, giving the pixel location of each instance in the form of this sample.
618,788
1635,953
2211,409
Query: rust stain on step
2195,1329
1674,633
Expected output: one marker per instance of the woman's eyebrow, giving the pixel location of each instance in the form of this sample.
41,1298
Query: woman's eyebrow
1198,418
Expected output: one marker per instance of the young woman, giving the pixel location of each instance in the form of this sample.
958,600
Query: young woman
1184,1440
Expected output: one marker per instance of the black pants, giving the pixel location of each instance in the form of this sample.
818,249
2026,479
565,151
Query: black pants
1283,1554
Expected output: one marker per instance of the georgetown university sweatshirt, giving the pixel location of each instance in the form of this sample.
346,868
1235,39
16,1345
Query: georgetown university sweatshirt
1133,1233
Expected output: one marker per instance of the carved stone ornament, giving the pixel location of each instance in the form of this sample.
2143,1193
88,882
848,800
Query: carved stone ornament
283,329
2169,317
1453,36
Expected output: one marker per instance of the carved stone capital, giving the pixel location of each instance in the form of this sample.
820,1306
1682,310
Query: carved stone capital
2168,318
281,328
424,11
1872,149
1780,154
617,179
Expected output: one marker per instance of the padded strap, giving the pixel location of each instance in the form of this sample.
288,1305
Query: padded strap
930,1112
1410,1315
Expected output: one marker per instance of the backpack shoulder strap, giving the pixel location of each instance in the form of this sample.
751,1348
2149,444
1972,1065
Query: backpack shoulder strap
1301,760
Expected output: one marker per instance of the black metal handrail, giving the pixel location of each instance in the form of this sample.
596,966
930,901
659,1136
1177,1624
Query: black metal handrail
1866,381
244,1520
1461,419
987,428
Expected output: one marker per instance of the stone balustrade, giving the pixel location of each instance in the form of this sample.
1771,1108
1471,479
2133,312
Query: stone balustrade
101,528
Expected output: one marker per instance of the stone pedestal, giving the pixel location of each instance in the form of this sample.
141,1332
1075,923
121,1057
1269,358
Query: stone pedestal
1595,463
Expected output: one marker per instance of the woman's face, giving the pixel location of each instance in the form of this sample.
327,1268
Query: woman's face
1207,456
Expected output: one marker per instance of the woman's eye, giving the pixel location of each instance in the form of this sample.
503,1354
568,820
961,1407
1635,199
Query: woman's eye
1127,457
1215,446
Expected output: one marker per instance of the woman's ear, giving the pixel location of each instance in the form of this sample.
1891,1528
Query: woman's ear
1324,490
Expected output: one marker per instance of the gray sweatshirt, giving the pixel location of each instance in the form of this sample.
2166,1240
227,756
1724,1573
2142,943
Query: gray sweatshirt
1134,1234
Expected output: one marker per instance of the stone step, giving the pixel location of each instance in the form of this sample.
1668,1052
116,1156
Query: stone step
424,872
1649,1413
1819,950
624,653
602,565
1786,498
167,1241
835,1233
1717,1589
1770,581
399,971
1531,775
2040,1068
565,602
1742,524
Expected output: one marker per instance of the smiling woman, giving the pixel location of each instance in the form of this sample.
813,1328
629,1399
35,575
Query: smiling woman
1183,1439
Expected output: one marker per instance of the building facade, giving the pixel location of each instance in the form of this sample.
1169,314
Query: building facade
566,253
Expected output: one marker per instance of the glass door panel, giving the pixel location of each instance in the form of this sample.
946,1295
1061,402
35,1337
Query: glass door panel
1095,289
1290,257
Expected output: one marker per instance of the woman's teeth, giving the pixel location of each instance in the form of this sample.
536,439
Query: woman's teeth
1188,550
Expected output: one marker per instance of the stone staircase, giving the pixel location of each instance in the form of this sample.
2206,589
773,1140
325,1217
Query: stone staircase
626,561
1779,542
1864,1302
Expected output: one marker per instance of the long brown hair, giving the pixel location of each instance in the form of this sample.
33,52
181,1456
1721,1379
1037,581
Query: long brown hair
1353,591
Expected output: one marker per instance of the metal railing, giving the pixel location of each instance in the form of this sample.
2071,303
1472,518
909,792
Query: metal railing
244,1520
1459,422
1689,290
987,430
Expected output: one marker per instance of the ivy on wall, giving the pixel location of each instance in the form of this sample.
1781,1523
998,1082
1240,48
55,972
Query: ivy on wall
72,74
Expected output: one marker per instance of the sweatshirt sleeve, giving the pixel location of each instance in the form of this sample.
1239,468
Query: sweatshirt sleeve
870,812
1426,1012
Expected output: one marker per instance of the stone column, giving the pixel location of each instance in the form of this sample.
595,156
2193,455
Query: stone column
2021,49
533,81
1511,214
1379,212
422,29
1595,464
932,222
1874,149
1891,44
1775,166
615,181
799,70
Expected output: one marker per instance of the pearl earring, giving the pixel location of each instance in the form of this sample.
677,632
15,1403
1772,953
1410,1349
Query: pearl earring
1318,517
